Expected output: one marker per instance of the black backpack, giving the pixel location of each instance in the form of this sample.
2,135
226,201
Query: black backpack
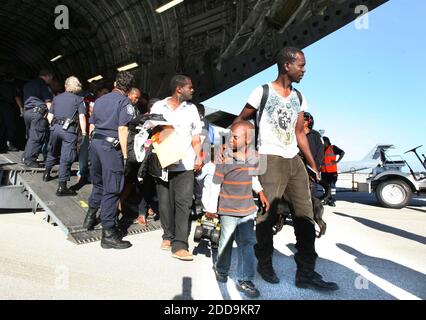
259,114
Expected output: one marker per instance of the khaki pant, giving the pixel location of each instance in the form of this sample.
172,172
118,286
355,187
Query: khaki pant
288,179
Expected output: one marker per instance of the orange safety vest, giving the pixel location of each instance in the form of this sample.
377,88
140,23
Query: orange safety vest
329,156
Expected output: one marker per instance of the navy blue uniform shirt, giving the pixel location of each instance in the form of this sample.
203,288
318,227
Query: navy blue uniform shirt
34,91
111,111
65,105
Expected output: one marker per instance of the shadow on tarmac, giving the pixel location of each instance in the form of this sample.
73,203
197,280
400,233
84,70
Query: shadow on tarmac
186,290
401,276
417,209
352,287
203,248
385,228
369,199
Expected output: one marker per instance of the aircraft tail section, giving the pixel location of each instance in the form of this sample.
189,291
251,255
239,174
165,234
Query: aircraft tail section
377,151
371,160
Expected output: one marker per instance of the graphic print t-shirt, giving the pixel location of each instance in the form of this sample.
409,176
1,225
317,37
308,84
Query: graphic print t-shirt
277,127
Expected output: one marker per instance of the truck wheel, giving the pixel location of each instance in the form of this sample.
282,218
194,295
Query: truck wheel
198,233
394,194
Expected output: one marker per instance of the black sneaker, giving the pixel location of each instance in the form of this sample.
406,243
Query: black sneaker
221,277
248,288
268,274
315,282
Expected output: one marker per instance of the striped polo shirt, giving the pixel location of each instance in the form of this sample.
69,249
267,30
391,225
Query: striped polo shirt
236,194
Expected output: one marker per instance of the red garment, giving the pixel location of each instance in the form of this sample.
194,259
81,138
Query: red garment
88,100
329,164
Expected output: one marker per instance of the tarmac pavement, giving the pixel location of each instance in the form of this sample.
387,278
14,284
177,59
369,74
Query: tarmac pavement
373,253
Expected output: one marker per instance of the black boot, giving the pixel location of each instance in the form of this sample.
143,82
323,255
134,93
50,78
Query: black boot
63,191
313,280
90,221
46,175
111,240
268,273
80,184
33,164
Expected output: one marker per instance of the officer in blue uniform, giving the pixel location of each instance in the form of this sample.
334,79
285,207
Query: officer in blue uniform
37,101
108,154
65,110
9,101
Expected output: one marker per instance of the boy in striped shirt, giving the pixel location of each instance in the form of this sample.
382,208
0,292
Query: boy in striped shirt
233,183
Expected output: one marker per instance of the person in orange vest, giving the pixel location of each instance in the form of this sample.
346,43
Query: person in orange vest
329,171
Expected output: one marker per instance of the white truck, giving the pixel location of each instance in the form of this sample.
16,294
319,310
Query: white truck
393,187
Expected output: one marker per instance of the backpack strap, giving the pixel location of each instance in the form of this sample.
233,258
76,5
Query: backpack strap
265,96
299,94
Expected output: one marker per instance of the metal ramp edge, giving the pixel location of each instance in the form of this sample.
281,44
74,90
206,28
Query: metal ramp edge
85,237
14,197
74,231
41,204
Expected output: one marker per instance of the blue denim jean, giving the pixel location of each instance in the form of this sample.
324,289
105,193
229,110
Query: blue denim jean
242,231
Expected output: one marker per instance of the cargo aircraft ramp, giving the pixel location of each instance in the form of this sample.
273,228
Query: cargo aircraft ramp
24,189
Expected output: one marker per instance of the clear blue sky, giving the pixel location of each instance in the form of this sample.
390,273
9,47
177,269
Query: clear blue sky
363,86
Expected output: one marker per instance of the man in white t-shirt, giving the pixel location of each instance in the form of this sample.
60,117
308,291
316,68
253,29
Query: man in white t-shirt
175,195
280,135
